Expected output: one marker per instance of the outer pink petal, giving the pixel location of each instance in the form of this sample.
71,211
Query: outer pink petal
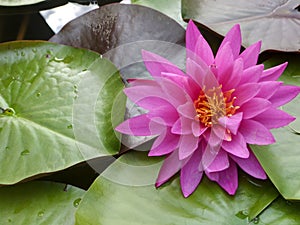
164,144
251,166
197,128
284,95
232,123
171,165
190,175
204,51
191,37
156,64
273,73
227,179
268,88
245,92
237,146
224,62
139,126
250,54
220,162
254,107
234,38
196,71
274,118
187,145
252,74
256,133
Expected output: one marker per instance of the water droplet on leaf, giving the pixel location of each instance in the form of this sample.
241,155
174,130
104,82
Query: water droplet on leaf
25,152
38,94
70,126
256,220
41,213
243,214
76,202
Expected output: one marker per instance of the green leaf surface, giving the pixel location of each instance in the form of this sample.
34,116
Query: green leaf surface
276,23
281,160
41,82
131,198
172,8
28,6
39,202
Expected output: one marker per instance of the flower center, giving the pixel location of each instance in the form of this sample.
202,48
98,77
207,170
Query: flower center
213,104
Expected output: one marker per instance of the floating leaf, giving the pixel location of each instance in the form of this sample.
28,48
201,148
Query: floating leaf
169,7
131,198
39,202
281,160
276,23
41,86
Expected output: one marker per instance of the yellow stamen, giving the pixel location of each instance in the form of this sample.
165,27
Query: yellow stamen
213,104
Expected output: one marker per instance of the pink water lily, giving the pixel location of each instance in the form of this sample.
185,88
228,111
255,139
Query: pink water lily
206,117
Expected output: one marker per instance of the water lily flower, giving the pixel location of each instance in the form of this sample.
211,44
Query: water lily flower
206,117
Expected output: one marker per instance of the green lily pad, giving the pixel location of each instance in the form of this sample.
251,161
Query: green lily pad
40,88
39,202
281,160
169,7
276,23
125,194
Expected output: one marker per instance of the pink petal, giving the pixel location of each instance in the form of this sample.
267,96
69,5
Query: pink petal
284,94
160,110
191,38
182,126
254,107
256,133
268,88
139,126
220,162
221,132
251,166
196,71
204,51
234,38
273,73
164,144
227,179
211,150
190,176
198,129
156,64
250,54
245,92
274,118
234,77
232,123
224,62
187,110
187,145
171,165
176,95
237,146
187,84
252,74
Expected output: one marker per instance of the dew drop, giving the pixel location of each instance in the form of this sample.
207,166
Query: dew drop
38,94
9,220
6,148
70,126
34,50
243,214
25,152
41,213
22,53
76,202
256,220
75,96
